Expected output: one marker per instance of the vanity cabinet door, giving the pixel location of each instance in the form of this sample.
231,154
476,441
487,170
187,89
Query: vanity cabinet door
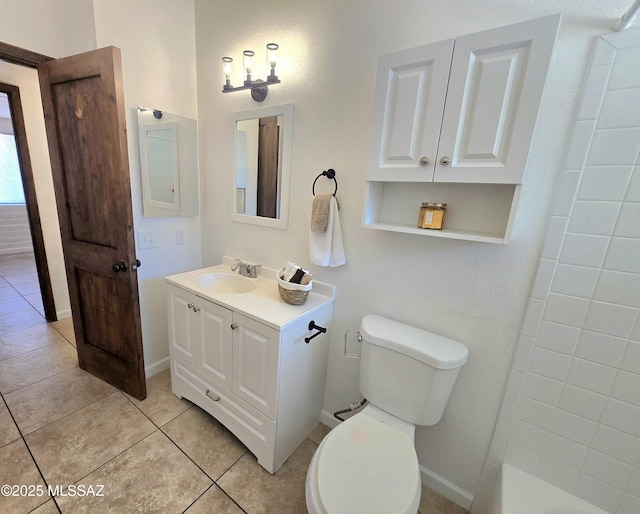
411,86
184,331
216,349
255,364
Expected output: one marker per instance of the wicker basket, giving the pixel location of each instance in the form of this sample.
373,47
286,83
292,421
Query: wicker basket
293,294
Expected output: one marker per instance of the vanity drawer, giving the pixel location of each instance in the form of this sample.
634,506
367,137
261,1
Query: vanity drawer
252,427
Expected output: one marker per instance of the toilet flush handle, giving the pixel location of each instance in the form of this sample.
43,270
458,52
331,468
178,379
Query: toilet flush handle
346,339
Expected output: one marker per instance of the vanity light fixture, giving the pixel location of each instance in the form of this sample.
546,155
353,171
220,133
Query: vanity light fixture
259,88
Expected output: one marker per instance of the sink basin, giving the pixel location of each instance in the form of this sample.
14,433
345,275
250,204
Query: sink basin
225,283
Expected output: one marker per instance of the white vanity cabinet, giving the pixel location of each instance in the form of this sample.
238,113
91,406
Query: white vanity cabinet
258,377
451,115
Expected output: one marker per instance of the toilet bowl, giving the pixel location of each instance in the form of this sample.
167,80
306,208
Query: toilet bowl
368,463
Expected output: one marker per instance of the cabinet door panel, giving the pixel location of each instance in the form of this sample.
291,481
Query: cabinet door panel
495,86
410,89
255,364
184,333
216,352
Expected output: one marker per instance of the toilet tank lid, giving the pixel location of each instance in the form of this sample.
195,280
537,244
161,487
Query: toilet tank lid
438,351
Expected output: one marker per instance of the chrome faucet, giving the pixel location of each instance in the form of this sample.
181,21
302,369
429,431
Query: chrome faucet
246,270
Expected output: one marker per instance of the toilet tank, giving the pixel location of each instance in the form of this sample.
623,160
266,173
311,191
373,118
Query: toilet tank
407,371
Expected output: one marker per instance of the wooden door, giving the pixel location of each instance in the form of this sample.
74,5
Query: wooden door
495,86
84,111
268,146
411,86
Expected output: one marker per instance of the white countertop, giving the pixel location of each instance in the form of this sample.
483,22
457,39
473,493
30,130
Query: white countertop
264,303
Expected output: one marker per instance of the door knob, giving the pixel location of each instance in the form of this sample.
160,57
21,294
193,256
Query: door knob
445,161
119,266
136,265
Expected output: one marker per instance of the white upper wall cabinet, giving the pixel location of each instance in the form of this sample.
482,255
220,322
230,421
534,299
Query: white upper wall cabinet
495,80
453,123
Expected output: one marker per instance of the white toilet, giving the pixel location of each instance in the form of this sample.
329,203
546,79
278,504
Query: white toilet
368,463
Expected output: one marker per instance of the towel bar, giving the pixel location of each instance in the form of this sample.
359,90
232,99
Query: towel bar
330,174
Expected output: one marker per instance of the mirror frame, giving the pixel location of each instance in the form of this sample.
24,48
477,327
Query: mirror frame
286,111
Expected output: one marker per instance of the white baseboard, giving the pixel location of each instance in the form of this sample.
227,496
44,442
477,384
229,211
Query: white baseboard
445,488
433,481
63,314
156,367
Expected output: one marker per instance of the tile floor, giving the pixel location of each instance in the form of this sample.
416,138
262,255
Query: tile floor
60,426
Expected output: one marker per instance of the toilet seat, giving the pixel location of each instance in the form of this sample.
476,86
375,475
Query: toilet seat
366,465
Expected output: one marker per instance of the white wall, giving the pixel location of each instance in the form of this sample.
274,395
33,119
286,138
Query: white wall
157,39
27,80
571,411
56,28
473,292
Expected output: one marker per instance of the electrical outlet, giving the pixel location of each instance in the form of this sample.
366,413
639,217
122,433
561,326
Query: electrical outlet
180,236
146,240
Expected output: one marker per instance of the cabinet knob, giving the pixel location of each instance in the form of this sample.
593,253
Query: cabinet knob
424,161
445,161
190,305
196,308
234,326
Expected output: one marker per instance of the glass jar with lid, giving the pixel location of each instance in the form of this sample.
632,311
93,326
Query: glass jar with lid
432,215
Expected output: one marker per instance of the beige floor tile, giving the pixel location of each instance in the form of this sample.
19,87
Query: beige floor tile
257,491
44,402
209,444
15,304
161,405
34,366
214,501
152,476
27,288
8,430
319,433
29,339
35,300
432,503
47,508
76,445
65,327
6,291
18,468
20,320
18,278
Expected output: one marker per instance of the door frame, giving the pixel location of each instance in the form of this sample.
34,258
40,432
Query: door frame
20,56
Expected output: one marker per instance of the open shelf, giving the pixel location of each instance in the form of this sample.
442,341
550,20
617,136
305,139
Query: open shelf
475,212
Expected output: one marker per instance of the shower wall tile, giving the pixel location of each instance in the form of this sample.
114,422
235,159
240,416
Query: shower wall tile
594,91
557,337
625,70
619,288
565,192
575,280
614,147
573,412
601,348
604,183
584,250
629,221
589,217
608,318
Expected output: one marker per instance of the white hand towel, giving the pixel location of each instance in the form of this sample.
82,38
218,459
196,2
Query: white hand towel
327,248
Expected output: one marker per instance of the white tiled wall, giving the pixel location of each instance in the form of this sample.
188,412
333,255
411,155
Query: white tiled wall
571,410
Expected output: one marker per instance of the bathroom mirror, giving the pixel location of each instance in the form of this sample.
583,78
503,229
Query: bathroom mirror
262,165
168,164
